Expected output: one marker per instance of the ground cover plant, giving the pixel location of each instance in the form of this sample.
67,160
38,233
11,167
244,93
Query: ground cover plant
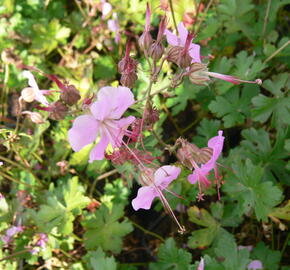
144,135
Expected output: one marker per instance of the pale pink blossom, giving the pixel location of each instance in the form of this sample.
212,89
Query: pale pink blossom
10,233
201,264
216,144
256,264
106,9
103,121
174,40
38,94
113,25
153,186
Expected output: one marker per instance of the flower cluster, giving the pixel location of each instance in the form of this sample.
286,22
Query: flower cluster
106,125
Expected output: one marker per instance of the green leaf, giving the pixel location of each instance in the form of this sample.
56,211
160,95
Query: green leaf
97,260
104,230
270,258
247,186
282,212
62,205
258,147
227,252
202,237
278,105
171,258
233,107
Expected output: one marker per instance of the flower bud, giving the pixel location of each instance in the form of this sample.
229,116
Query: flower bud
127,65
28,94
189,152
35,117
58,110
197,74
70,95
145,41
179,56
151,115
128,80
156,50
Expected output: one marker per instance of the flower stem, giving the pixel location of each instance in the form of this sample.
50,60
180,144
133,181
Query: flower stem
146,231
277,51
173,16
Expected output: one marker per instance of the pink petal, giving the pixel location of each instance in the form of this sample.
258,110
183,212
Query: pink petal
200,176
201,264
100,108
113,102
144,198
165,175
120,131
83,132
106,9
98,152
183,32
171,38
31,82
216,143
194,52
256,264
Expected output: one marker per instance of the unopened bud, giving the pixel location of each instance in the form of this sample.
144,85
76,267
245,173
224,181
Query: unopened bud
179,56
128,80
156,50
70,95
57,110
28,94
151,115
35,117
145,41
127,65
189,151
197,74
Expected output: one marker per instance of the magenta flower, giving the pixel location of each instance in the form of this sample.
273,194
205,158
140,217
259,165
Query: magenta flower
104,121
256,264
174,40
154,184
34,90
199,174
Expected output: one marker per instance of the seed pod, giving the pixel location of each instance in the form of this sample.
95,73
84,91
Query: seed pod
179,56
58,110
197,74
156,50
145,41
35,117
70,95
28,94
128,80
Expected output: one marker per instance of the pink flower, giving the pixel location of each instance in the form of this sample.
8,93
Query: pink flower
201,264
113,25
10,233
154,184
216,144
106,9
231,79
174,40
38,94
103,121
256,264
